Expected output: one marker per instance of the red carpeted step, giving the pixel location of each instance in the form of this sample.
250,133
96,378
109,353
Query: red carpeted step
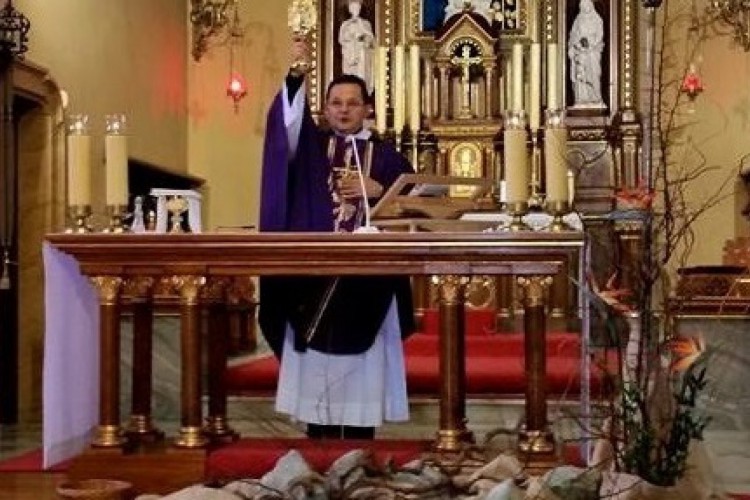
255,457
495,367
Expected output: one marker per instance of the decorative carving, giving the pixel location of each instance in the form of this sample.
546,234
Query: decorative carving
189,288
215,288
451,289
241,289
138,287
108,288
628,54
534,290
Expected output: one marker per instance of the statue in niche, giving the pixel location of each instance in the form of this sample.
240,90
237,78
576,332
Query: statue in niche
481,7
585,45
357,44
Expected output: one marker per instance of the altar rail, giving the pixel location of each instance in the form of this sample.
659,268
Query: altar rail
204,269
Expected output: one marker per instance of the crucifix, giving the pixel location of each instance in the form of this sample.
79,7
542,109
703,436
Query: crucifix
464,63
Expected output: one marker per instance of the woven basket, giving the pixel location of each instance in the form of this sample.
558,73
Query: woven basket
94,489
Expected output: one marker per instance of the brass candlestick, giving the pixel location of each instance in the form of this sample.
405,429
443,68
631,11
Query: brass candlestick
79,217
517,210
558,209
536,200
116,216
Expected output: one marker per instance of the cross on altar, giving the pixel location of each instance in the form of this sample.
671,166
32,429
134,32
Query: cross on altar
464,63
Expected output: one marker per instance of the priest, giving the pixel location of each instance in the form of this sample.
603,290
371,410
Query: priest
338,339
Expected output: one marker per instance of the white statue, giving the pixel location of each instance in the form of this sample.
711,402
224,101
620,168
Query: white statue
481,7
357,43
585,46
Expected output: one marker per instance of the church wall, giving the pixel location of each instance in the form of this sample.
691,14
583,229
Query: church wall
119,57
721,124
225,146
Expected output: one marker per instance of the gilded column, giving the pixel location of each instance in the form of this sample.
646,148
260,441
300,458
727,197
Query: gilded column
216,296
451,297
535,440
489,77
140,427
191,435
628,120
109,432
429,95
444,94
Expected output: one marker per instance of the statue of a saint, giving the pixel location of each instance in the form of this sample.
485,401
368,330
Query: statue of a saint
481,7
585,46
357,43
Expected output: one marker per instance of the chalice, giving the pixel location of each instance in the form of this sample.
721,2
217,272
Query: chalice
176,205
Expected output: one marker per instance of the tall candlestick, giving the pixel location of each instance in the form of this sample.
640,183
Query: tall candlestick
116,161
397,88
380,89
516,158
79,161
415,97
535,86
517,75
552,68
556,157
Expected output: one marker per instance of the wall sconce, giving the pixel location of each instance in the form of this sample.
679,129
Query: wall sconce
736,15
209,18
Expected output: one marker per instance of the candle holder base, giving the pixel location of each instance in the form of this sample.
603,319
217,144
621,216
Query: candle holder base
116,216
558,209
79,218
517,210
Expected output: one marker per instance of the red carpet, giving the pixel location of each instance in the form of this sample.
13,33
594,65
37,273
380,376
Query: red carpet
495,363
30,461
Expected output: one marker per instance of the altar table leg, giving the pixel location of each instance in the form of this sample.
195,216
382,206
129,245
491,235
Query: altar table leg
140,427
109,432
536,442
217,429
453,432
191,435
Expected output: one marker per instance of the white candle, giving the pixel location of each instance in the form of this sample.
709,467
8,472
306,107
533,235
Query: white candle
556,163
517,75
79,169
397,88
116,151
516,165
381,63
415,97
535,86
552,97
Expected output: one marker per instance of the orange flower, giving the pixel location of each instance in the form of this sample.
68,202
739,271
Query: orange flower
637,198
610,295
685,351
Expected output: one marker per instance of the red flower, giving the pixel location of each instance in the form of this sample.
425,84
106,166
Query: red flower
610,295
637,198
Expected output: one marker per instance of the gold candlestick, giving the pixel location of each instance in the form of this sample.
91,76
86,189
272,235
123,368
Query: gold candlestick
79,217
302,20
558,209
116,216
517,210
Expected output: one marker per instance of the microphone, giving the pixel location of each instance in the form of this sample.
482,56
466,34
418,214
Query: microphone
367,228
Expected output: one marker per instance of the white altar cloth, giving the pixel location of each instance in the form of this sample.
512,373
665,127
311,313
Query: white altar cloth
71,359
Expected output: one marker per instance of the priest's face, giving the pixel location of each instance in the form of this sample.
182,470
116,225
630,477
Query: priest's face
346,108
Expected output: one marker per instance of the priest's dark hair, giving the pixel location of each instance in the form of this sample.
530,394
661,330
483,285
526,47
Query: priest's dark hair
350,79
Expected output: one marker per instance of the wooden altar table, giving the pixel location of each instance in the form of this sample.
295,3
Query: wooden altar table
202,267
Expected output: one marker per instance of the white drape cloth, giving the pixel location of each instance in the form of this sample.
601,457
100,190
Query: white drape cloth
359,390
71,359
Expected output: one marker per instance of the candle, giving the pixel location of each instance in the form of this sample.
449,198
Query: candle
415,98
517,75
556,163
381,63
516,159
79,162
397,88
116,161
552,97
535,86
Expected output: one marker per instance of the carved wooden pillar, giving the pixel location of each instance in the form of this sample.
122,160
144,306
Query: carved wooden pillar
140,427
191,435
535,440
489,96
109,432
451,297
444,94
217,428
